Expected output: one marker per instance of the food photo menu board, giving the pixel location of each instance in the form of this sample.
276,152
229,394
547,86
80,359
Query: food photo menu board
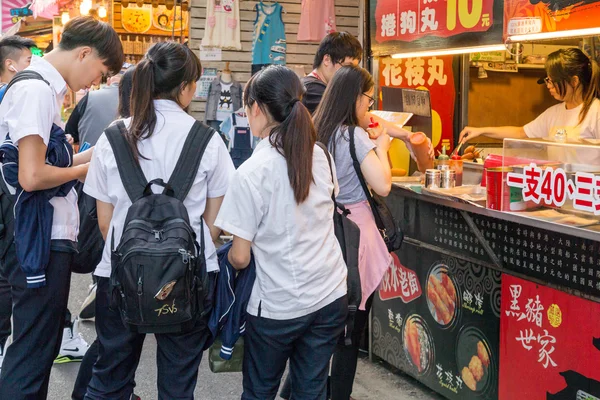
437,318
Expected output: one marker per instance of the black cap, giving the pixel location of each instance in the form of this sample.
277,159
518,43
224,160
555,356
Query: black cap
542,80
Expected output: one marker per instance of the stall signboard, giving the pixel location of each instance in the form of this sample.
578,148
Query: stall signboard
400,25
437,318
409,20
13,11
525,16
549,343
434,74
553,188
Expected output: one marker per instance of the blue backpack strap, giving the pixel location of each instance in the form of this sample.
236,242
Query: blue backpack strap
188,163
131,173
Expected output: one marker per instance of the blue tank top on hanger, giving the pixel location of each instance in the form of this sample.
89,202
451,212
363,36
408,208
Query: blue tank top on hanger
269,44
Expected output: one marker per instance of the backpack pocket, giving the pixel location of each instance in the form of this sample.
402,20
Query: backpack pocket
156,289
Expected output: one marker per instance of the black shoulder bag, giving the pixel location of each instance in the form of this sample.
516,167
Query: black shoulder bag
348,235
388,226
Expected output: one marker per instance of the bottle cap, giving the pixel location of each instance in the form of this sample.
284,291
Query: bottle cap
373,123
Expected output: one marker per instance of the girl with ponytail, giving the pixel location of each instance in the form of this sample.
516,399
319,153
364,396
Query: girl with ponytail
279,205
163,85
573,79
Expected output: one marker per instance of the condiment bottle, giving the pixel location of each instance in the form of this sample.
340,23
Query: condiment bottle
420,148
374,124
456,164
443,159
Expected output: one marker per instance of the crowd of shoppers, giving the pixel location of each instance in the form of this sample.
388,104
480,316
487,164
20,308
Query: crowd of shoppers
277,206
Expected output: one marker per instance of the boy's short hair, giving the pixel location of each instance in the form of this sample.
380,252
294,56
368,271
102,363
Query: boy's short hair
87,31
10,46
338,45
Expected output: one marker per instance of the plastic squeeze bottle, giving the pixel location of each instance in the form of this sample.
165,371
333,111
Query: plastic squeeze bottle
420,148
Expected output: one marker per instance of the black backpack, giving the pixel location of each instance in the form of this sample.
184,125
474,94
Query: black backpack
348,236
159,277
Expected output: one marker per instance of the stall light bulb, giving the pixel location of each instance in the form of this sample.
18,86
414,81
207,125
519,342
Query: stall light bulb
102,12
461,50
554,35
65,17
84,8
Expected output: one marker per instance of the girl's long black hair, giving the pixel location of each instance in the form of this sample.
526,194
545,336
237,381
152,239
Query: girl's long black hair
165,70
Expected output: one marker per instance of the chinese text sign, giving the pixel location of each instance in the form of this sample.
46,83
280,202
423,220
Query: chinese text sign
546,338
409,20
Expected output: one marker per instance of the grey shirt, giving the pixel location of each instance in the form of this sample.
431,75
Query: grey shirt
351,191
102,108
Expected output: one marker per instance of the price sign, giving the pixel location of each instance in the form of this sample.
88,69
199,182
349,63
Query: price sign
409,20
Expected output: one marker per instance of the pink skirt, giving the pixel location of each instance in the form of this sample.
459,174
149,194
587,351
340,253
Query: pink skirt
373,256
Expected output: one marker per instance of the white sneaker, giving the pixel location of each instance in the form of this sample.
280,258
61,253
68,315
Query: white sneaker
73,346
88,308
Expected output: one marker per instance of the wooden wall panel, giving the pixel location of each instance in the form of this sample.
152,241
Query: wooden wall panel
507,98
298,53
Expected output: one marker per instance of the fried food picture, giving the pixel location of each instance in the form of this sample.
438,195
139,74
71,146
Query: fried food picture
483,354
469,379
441,295
475,371
412,343
476,368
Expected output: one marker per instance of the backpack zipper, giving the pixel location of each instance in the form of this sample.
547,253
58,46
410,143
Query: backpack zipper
186,255
140,290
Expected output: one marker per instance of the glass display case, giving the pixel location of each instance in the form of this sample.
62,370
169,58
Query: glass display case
552,179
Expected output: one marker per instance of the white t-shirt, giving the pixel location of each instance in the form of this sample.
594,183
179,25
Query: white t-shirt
299,263
29,108
558,117
162,151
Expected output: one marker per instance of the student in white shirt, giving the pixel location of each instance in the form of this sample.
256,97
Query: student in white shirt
164,83
574,80
88,50
279,206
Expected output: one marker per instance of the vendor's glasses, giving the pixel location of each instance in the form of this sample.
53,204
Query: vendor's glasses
371,100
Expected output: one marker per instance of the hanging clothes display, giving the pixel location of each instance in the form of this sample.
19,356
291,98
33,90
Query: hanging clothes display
268,45
222,27
317,20
237,132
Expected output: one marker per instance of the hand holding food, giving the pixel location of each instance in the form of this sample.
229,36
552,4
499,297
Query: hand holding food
469,133
383,141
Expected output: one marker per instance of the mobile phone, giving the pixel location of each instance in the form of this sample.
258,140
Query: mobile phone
84,147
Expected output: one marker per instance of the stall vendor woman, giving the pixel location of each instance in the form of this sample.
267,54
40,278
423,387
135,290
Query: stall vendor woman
573,79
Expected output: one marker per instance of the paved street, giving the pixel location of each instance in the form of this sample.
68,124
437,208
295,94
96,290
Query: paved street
373,381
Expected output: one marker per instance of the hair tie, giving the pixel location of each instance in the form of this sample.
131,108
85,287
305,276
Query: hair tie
150,60
293,102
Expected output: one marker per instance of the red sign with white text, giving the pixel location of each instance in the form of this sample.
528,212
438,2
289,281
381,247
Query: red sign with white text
401,282
429,73
551,187
409,20
549,346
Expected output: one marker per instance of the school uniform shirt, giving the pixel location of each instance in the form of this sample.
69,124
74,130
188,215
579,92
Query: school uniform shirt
30,107
558,117
162,151
299,263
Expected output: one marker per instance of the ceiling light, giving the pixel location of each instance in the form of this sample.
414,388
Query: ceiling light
554,35
444,52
